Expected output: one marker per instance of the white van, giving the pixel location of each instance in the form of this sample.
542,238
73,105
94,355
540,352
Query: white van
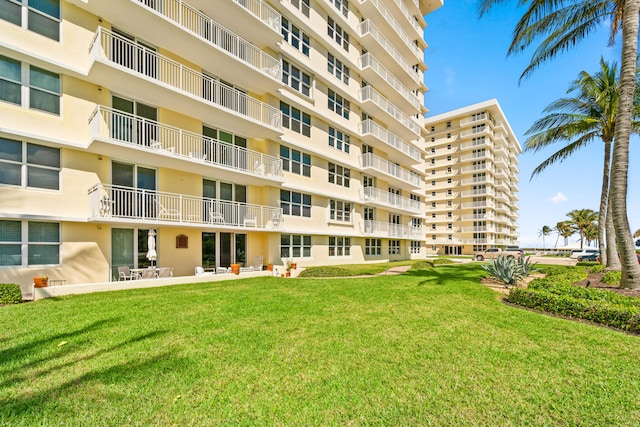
578,253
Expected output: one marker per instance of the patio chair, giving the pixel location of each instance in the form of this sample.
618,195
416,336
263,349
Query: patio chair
124,273
168,213
165,272
149,273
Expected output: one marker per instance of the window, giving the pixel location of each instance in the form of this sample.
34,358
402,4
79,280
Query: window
296,120
433,205
449,214
448,135
43,86
295,162
449,169
449,226
298,80
338,69
394,247
449,192
302,5
339,211
433,215
433,161
448,146
448,158
338,104
339,140
433,194
339,246
415,247
414,197
433,151
295,246
433,139
448,124
448,180
41,243
339,175
295,204
433,183
338,34
342,6
29,165
373,246
433,226
295,37
43,16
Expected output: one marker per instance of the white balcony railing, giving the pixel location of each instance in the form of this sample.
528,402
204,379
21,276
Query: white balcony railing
171,141
407,14
123,203
385,229
371,127
368,93
203,26
370,160
373,194
393,22
138,59
368,60
367,27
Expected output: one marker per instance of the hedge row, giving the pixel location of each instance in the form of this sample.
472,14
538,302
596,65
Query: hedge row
624,317
10,293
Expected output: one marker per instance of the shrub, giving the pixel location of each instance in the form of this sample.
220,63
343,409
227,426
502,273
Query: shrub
612,277
442,261
10,293
422,265
326,271
505,269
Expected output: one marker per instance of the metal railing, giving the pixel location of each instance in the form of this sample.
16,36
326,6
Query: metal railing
407,13
118,202
370,160
139,59
393,22
368,93
385,229
368,60
171,141
390,199
203,26
367,27
370,127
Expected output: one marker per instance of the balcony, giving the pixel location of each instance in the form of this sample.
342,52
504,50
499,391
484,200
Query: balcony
372,195
402,39
378,104
416,21
377,74
405,152
173,143
163,81
130,205
385,229
384,48
479,204
391,171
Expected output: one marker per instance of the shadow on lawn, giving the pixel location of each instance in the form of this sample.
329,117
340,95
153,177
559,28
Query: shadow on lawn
447,274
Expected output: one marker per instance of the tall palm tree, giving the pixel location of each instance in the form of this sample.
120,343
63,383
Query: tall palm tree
565,229
544,232
561,25
582,219
588,115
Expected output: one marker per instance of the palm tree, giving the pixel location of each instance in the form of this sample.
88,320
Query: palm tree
544,232
580,119
565,229
561,25
582,219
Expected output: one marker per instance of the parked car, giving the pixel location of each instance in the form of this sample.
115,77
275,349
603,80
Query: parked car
593,256
577,253
514,251
488,254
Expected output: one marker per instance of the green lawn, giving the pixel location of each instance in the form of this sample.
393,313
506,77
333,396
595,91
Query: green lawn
430,347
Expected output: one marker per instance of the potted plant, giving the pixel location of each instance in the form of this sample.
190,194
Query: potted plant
41,281
269,266
293,264
289,268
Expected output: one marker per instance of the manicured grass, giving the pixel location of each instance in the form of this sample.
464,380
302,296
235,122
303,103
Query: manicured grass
430,347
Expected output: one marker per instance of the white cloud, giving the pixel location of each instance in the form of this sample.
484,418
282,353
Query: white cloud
558,198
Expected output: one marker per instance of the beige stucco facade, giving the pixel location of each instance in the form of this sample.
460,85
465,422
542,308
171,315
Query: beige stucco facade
235,129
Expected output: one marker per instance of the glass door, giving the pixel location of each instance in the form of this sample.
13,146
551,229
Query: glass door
122,250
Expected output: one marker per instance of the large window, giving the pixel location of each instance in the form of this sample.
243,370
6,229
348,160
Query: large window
415,247
295,37
339,246
43,16
339,211
338,69
339,140
394,247
339,175
336,32
29,165
338,104
303,5
296,120
295,204
299,80
295,246
342,6
373,246
295,162
43,86
40,245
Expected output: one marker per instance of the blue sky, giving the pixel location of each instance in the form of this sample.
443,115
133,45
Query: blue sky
468,63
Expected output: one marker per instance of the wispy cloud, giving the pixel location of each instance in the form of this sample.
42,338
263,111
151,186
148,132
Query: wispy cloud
558,198
450,76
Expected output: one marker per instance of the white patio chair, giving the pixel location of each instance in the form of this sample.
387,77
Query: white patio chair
148,273
124,273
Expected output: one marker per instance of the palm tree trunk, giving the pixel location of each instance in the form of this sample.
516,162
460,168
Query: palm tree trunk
613,262
604,197
620,167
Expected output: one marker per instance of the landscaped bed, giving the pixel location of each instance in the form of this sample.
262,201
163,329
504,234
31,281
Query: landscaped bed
431,346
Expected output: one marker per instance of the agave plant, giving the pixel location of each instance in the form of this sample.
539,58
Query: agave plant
506,269
527,266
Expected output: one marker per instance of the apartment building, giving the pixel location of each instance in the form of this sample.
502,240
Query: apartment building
229,129
471,180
